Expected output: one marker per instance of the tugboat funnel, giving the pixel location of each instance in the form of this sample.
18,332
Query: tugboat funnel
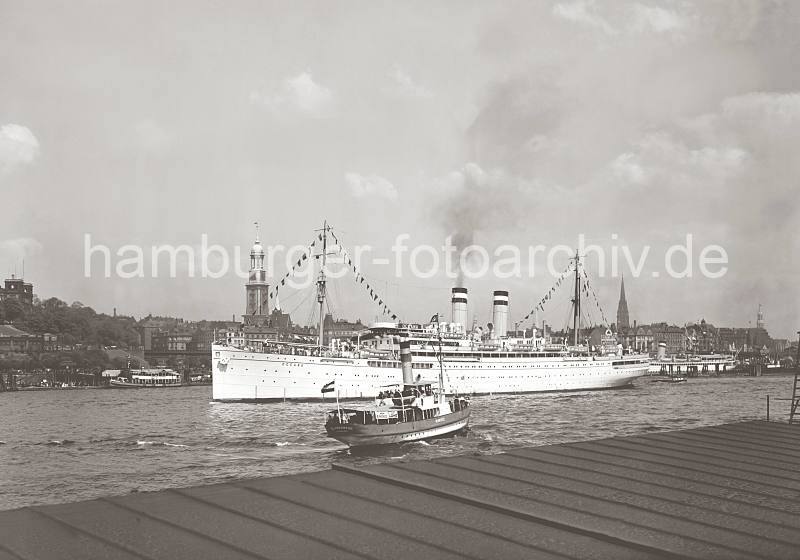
405,362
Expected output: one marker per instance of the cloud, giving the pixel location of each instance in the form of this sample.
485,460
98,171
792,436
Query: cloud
299,94
370,185
656,18
661,158
583,12
18,146
753,134
153,138
764,109
13,250
403,84
619,20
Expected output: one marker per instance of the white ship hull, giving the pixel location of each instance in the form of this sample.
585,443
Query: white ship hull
240,375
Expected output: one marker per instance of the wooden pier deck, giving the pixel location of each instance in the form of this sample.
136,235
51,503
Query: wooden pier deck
730,491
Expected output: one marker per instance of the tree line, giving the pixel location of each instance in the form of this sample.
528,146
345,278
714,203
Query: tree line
73,324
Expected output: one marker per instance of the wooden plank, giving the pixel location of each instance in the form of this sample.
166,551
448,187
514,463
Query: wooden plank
686,491
602,527
329,528
250,535
607,509
722,454
768,495
687,462
539,538
139,533
751,445
26,533
408,525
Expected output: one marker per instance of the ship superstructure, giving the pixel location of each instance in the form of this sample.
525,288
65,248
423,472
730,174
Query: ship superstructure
473,360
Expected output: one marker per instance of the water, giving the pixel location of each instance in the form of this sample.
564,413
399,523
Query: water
62,446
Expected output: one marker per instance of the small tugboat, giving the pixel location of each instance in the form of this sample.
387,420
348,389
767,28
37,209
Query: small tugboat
416,411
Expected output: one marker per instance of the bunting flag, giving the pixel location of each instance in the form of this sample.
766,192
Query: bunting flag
359,278
548,296
588,289
274,292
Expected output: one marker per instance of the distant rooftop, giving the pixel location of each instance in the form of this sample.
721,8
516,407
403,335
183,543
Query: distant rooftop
9,331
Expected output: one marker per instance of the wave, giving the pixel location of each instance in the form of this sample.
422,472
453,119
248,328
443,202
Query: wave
143,443
60,442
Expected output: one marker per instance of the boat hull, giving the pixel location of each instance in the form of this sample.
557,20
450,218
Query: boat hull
360,435
239,375
701,364
123,385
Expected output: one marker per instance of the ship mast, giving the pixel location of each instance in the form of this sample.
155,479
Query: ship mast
441,360
576,303
321,285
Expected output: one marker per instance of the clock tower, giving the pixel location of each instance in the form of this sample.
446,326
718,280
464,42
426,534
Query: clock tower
257,289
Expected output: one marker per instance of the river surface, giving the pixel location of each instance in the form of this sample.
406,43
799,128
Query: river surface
67,445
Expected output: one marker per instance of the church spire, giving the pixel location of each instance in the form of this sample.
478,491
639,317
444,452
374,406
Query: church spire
623,320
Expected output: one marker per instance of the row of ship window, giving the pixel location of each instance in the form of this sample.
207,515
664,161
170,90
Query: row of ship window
491,354
385,364
428,367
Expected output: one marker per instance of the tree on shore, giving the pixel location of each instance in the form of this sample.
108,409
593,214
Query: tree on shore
73,324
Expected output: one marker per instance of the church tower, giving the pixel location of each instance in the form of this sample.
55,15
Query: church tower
623,321
257,309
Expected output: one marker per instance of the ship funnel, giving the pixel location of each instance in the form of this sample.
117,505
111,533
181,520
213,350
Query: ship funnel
405,362
662,350
459,301
500,313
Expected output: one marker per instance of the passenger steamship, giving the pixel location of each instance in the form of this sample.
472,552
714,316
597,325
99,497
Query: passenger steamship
473,362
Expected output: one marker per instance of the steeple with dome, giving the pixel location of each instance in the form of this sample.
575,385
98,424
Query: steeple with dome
257,310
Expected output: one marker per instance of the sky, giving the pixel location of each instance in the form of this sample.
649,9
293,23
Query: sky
525,123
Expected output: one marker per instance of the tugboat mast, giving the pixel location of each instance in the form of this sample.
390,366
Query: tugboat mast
576,303
441,360
321,285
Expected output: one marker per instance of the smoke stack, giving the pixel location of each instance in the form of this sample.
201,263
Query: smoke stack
459,301
405,362
662,350
500,313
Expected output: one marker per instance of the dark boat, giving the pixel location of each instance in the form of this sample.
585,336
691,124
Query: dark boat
418,411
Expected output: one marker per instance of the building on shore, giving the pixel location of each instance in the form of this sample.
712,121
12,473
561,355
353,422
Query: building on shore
342,329
645,338
17,289
16,341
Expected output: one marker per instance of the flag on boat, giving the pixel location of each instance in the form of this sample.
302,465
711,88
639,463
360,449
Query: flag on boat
435,319
328,387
